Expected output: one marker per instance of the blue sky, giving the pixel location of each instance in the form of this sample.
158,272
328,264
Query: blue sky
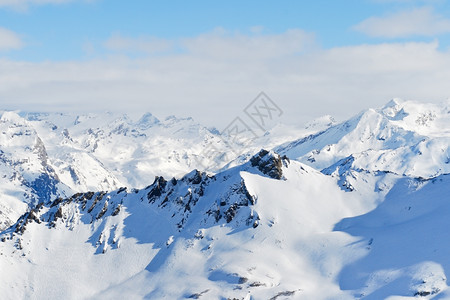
63,31
194,57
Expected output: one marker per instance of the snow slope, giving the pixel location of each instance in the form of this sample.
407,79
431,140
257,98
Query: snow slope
25,173
234,234
403,137
270,228
358,210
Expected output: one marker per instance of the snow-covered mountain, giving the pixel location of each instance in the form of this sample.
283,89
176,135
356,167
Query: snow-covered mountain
355,210
405,138
26,174
47,155
130,151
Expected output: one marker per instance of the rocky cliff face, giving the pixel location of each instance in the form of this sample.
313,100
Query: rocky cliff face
270,163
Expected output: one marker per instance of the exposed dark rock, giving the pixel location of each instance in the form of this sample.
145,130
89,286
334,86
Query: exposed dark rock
96,200
66,134
54,217
103,211
117,210
75,196
242,280
39,148
198,295
427,293
122,189
32,216
201,190
197,178
281,294
230,213
18,244
215,213
56,202
256,284
157,188
244,191
164,202
26,219
269,163
87,196
58,214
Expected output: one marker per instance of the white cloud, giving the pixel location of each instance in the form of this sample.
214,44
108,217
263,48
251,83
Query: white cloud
221,44
416,22
213,85
117,42
9,40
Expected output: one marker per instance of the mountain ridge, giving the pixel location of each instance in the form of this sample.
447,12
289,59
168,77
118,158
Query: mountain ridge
354,210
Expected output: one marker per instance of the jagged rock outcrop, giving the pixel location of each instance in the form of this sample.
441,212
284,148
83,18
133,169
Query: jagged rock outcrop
225,197
270,163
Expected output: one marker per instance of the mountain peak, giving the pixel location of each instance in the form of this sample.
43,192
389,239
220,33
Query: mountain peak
393,110
394,102
270,163
172,119
321,123
147,120
13,117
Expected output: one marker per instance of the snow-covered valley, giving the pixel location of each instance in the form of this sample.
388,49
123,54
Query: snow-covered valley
104,207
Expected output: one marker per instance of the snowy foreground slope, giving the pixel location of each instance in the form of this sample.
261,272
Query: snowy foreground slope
357,211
